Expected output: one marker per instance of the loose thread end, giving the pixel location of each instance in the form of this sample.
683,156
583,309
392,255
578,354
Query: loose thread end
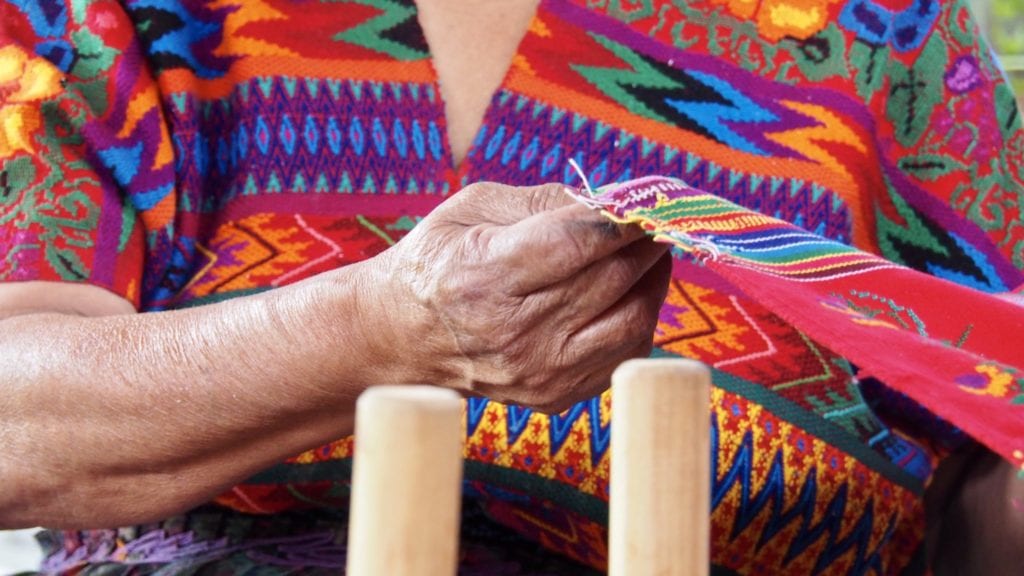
583,177
705,248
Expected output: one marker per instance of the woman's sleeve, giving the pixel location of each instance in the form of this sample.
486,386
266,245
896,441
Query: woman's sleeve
950,137
949,130
86,165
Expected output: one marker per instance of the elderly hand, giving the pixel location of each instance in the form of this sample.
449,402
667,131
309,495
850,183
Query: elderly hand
524,296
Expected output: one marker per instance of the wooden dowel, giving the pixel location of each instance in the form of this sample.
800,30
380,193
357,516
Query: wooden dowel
406,482
660,469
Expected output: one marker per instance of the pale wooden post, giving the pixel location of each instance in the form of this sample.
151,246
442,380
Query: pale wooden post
660,469
406,482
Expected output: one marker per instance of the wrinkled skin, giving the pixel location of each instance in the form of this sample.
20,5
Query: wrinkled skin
536,302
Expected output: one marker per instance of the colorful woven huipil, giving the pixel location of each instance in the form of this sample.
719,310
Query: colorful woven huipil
182,153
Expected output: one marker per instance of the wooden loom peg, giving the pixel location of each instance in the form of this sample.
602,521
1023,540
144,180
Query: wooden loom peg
406,482
660,469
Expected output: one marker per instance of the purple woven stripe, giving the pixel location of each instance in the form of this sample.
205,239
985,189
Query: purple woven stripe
158,547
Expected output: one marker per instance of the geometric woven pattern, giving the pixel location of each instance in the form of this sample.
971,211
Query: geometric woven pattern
183,153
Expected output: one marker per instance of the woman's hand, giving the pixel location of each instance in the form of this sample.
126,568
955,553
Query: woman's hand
524,296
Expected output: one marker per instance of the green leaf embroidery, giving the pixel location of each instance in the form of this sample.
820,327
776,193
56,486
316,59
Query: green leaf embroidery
66,262
868,60
94,57
929,166
16,175
1007,111
94,93
821,56
915,93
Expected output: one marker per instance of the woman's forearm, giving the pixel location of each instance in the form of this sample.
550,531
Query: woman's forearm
522,295
122,419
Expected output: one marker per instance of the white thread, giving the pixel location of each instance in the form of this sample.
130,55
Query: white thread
701,245
583,177
588,202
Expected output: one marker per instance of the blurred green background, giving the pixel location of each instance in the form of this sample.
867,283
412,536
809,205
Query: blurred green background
1002,21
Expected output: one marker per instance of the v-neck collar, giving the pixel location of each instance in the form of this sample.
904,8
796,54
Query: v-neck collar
458,171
